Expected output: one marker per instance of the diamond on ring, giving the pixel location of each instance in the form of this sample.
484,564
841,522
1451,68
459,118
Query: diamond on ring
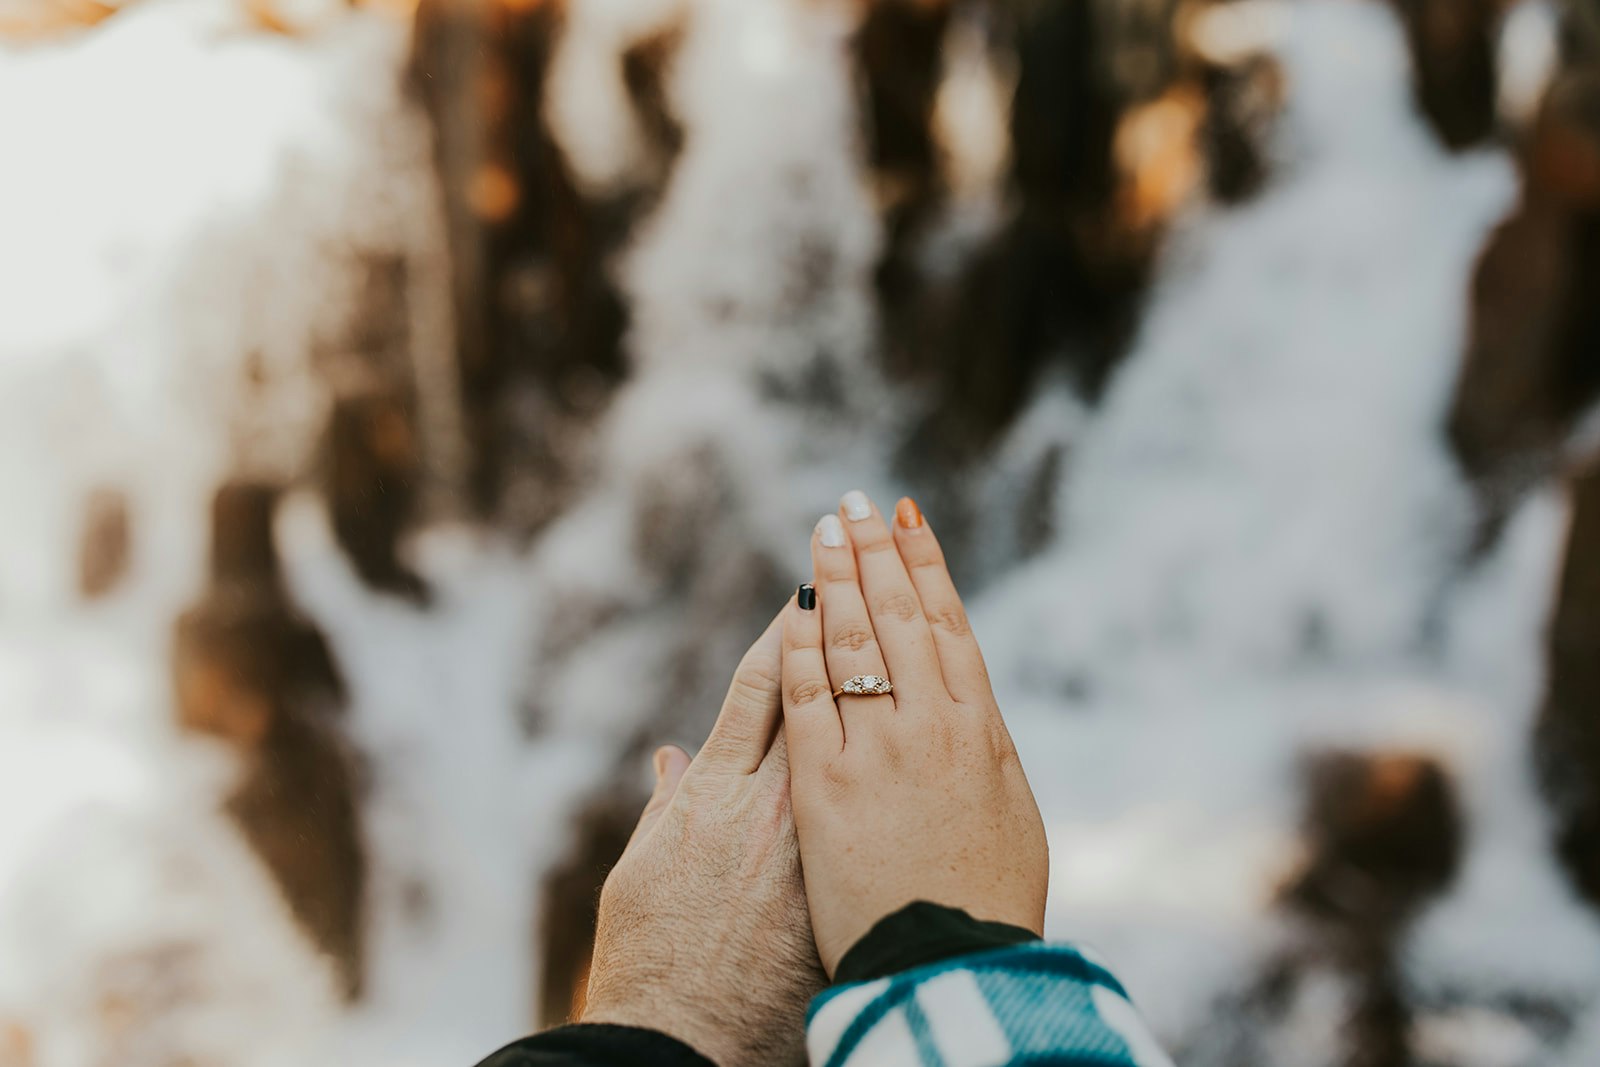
866,685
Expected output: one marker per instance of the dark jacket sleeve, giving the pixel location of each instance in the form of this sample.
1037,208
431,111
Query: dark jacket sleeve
597,1045
922,933
914,936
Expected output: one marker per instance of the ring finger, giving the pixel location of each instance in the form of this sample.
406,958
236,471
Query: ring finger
849,642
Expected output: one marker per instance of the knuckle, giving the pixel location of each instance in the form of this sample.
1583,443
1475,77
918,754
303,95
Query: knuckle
806,691
838,569
853,638
875,546
900,606
799,642
695,790
755,682
952,621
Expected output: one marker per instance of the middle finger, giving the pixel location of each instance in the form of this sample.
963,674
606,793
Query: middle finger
850,645
892,602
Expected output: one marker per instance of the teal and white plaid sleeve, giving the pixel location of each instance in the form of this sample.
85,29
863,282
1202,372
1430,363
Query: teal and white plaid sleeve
1029,1004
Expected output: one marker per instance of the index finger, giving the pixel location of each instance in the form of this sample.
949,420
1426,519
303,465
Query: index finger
810,717
744,729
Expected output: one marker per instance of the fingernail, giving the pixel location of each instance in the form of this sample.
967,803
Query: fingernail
907,514
830,531
856,505
806,596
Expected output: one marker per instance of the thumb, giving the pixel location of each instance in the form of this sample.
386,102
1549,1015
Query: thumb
670,762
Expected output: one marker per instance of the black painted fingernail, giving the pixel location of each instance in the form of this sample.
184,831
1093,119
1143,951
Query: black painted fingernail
806,595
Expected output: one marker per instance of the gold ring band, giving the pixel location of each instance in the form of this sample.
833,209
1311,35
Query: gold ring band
865,685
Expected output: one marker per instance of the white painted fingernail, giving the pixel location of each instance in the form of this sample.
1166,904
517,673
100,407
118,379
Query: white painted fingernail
856,505
830,531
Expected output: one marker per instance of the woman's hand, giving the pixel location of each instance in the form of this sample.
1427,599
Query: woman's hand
915,795
703,931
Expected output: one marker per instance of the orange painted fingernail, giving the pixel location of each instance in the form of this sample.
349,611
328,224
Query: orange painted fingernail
907,514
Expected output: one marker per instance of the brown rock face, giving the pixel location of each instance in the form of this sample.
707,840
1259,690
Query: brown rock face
646,65
107,543
1244,101
371,468
899,57
1116,120
899,53
250,671
572,900
297,808
539,322
1567,741
1385,837
373,475
1062,278
1510,401
1533,356
1454,77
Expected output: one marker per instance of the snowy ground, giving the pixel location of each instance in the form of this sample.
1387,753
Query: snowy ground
1259,547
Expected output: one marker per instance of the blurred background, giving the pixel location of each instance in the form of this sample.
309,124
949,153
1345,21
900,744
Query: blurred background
410,410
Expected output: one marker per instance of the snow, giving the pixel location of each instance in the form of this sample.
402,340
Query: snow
1259,549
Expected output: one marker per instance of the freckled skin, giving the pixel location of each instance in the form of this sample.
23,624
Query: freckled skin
915,795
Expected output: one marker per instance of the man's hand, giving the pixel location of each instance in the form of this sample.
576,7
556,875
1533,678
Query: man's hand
914,795
703,930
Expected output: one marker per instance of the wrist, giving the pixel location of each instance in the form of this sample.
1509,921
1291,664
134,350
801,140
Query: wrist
921,933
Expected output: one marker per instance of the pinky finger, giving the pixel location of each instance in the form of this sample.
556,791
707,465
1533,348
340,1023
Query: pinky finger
810,717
